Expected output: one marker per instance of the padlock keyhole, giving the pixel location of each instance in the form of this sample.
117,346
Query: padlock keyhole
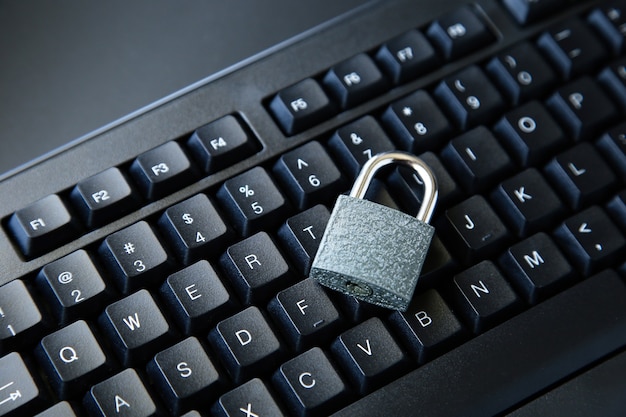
358,290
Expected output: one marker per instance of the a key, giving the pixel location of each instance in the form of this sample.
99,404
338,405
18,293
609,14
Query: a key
221,143
246,344
162,170
122,394
104,197
537,267
62,409
613,79
407,56
20,318
613,147
530,11
369,355
134,256
42,226
256,268
136,327
252,201
609,20
72,358
617,209
184,375
196,297
251,399
19,392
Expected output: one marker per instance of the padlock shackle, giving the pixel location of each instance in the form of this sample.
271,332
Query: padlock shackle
375,163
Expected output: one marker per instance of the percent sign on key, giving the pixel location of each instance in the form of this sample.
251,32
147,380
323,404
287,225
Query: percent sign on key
246,190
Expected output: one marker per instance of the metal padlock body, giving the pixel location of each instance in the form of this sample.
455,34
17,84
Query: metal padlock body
375,252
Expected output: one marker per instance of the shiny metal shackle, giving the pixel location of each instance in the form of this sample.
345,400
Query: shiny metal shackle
375,163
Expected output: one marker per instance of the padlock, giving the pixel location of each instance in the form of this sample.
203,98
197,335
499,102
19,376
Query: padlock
374,252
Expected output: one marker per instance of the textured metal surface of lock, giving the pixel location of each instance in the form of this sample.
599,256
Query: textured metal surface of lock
374,252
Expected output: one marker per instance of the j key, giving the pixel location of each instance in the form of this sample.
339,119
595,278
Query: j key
161,170
416,122
184,375
581,176
221,143
617,209
459,32
42,226
252,399
123,394
476,159
301,235
582,108
537,268
135,256
613,78
369,355
194,228
484,296
528,203
306,315
591,240
613,147
407,56
73,286
355,80
256,268
473,229
310,385
469,98
18,390
196,297
246,344
610,21
530,134
72,359
20,319
530,11
62,409
135,326
308,175
301,106
357,142
104,197
572,48
252,201
522,73
428,327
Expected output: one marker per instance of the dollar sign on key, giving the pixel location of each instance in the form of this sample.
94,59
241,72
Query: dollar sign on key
187,218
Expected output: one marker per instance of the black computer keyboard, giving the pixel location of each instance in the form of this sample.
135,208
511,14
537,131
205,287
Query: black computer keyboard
160,266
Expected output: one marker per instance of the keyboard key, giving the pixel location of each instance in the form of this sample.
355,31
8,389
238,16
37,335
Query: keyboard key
528,203
407,56
521,72
530,134
221,143
310,385
184,375
369,355
537,267
301,106
469,98
252,399
104,197
301,235
613,79
459,33
136,327
572,48
246,344
610,22
123,394
354,81
617,209
62,409
42,226
196,298
416,123
305,314
582,108
527,12
72,359
73,287
256,268
308,175
18,390
162,170
613,147
20,319
194,228
134,256
581,176
591,240
252,201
